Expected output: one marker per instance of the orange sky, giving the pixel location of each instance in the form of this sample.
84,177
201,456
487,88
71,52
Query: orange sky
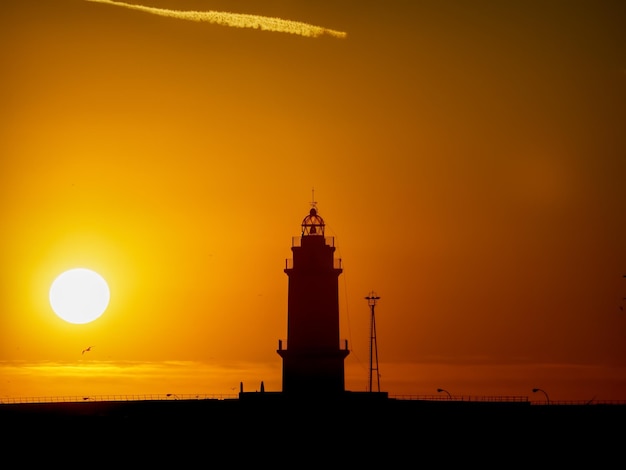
468,157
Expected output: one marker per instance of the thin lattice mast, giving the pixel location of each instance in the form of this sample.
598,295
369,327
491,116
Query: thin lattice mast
372,298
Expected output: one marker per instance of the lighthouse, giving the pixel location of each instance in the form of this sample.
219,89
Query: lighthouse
313,356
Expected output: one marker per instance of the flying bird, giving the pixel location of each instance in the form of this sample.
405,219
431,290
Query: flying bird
87,349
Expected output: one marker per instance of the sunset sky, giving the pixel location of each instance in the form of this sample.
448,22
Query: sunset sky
469,157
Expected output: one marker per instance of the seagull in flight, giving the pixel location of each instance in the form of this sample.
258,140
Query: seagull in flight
87,349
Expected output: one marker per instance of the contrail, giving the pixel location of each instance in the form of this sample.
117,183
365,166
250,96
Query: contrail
236,20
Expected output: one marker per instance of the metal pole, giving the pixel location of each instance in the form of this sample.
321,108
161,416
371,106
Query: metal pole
371,300
375,350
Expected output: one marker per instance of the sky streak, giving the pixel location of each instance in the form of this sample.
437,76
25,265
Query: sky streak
236,20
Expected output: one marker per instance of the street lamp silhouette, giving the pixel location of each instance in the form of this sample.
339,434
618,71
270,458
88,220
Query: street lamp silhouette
444,390
535,390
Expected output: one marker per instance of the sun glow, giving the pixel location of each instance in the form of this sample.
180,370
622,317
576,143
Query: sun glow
79,296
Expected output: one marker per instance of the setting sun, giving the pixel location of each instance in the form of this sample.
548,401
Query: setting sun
79,295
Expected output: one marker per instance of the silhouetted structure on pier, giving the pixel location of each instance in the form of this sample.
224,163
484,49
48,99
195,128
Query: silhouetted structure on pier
313,354
313,359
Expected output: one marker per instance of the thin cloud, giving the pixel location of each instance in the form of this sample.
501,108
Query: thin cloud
235,20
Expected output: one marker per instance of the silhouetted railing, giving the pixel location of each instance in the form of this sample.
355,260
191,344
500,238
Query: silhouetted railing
175,396
94,398
495,398
506,399
343,344
297,241
336,263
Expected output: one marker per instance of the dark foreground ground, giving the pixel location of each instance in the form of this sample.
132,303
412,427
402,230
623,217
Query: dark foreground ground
306,433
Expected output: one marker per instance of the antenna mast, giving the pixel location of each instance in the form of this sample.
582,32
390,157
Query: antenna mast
313,201
371,301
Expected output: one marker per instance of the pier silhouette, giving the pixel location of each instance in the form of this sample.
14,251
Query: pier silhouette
315,413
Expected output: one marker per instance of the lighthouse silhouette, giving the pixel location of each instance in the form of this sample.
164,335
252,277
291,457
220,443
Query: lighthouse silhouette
313,357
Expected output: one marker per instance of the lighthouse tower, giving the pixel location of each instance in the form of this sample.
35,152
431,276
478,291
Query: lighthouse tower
313,358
